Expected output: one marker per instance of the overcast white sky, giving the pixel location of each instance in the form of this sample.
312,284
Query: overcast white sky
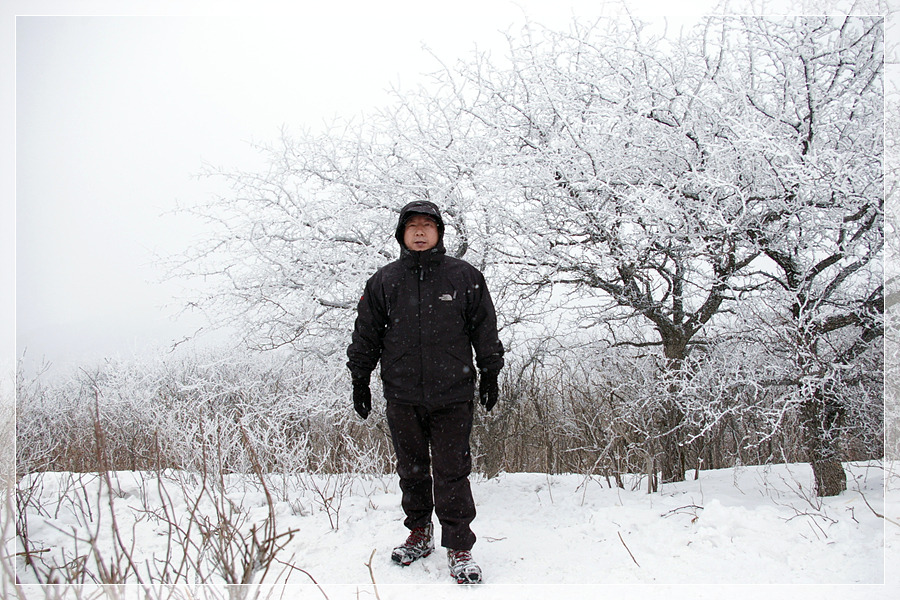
114,115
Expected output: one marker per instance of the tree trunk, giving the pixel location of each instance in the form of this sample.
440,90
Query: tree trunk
671,422
821,417
672,462
831,479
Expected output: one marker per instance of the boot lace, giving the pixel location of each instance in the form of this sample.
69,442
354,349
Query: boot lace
417,536
461,556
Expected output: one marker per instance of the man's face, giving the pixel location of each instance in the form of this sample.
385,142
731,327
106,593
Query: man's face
421,233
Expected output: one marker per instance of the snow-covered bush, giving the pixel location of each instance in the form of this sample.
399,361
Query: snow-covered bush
587,409
199,413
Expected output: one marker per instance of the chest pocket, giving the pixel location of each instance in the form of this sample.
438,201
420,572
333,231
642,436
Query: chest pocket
444,312
449,305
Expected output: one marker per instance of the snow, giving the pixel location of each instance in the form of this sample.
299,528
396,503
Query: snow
733,533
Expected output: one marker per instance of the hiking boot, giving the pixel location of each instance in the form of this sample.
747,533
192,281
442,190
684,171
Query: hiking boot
462,567
419,544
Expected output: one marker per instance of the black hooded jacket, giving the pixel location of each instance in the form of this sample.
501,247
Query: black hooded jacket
421,316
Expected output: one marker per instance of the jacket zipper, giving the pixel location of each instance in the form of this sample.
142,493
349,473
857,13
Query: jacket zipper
419,316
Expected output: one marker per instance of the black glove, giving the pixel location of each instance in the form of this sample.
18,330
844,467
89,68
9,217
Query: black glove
362,397
488,389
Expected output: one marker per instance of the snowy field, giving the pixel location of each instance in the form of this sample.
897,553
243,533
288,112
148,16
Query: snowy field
747,532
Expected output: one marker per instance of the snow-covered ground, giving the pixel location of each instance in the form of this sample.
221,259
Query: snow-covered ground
734,533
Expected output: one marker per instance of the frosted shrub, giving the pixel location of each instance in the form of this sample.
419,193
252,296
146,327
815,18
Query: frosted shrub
190,414
589,412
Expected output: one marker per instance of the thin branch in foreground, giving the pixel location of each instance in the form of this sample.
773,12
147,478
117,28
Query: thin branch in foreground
626,548
372,574
875,512
305,572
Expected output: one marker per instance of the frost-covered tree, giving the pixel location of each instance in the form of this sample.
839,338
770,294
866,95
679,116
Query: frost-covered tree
625,185
604,176
639,171
815,87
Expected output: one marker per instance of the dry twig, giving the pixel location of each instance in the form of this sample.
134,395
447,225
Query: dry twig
626,547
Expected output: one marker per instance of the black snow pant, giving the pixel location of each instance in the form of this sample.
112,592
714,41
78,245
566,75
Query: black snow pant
438,480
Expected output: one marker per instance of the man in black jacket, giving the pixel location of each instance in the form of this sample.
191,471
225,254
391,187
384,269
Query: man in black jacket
421,316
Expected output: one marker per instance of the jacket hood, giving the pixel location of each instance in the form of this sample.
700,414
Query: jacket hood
419,207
